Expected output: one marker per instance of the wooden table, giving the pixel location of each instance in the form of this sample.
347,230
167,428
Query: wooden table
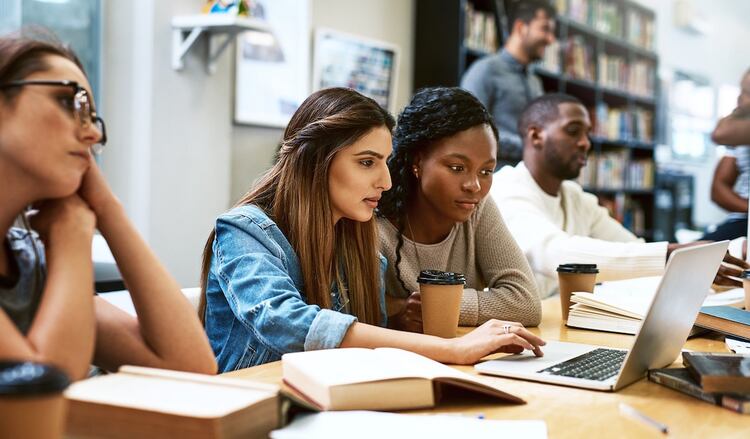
577,413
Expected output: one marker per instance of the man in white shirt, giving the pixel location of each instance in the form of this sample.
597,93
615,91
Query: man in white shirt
553,220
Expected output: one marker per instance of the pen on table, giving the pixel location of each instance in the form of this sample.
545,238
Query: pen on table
635,414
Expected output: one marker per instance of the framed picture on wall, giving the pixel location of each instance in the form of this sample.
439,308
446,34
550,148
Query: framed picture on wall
272,72
366,65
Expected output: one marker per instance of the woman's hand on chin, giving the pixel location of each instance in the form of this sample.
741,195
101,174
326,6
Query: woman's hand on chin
63,218
96,191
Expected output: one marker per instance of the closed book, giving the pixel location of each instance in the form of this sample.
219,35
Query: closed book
737,403
681,380
139,402
378,379
725,319
719,372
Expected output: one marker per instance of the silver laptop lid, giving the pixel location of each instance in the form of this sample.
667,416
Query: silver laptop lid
674,308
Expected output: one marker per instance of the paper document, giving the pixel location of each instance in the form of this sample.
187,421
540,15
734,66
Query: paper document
367,425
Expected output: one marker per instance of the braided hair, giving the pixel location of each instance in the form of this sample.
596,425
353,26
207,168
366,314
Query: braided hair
433,114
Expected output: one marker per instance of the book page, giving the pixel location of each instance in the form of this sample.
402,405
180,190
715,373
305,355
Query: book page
174,396
334,367
632,297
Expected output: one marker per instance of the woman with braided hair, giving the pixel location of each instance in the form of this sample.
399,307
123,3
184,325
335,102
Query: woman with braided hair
438,215
294,266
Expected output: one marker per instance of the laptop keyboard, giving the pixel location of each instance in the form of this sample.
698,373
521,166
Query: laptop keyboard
598,365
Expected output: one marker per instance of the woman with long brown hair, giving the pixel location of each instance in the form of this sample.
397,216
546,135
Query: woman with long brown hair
48,311
294,266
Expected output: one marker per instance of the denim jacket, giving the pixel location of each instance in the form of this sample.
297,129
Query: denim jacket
255,304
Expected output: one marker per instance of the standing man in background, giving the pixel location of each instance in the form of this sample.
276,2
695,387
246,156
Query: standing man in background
502,82
731,184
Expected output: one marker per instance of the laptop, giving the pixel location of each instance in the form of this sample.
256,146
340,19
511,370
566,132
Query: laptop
659,340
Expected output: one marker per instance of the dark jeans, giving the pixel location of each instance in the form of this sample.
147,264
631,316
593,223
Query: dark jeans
729,229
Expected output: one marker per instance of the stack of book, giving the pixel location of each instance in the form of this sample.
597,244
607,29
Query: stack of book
607,18
718,378
578,58
641,78
551,59
640,29
480,30
621,123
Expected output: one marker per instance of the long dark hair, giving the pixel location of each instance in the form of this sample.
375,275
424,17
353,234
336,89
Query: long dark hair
294,192
434,113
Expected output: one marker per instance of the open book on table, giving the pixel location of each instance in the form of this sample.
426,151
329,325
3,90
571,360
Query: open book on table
378,379
619,306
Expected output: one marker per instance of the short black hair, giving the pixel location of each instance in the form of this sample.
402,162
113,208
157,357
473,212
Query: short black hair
543,110
525,10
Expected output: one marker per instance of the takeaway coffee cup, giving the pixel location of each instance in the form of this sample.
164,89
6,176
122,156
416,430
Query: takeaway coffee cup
746,284
572,278
31,400
441,294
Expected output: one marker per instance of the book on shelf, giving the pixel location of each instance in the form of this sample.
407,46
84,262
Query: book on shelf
551,59
579,58
719,372
622,123
681,380
641,78
480,30
640,29
154,403
727,320
620,306
378,379
606,17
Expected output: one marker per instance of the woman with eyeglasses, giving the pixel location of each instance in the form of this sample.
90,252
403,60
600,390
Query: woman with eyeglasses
294,266
48,312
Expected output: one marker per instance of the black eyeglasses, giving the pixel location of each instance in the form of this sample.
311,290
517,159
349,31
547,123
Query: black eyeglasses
82,109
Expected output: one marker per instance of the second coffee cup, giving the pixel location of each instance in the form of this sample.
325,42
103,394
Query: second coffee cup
441,294
572,278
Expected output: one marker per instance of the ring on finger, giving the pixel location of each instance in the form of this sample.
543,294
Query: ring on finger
506,328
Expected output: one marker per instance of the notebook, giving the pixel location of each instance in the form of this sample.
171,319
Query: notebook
378,379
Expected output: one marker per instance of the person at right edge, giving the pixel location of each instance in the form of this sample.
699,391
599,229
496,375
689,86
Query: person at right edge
554,221
503,82
731,184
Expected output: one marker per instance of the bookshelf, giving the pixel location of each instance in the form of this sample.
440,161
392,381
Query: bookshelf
604,55
449,36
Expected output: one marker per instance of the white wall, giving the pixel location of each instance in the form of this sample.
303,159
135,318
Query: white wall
169,154
175,158
722,55
387,20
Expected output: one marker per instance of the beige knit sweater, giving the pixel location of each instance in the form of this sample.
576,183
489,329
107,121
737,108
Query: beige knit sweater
499,281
